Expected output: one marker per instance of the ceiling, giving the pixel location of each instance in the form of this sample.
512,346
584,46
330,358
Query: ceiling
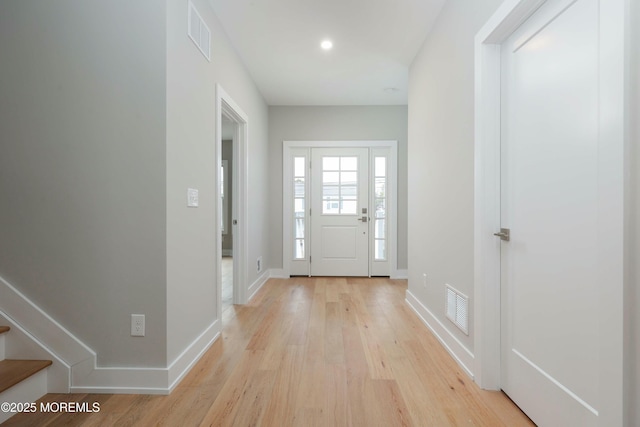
374,42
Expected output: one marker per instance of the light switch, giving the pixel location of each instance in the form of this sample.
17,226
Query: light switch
192,197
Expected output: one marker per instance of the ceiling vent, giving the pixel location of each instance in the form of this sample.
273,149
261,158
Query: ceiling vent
199,32
458,309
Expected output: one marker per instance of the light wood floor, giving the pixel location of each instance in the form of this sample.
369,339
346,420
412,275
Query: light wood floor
312,352
227,282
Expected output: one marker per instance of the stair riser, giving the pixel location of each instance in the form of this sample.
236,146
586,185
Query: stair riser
18,345
26,391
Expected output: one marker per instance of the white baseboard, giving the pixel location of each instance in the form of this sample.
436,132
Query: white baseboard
41,326
96,379
180,367
257,284
278,273
89,378
400,274
456,349
74,369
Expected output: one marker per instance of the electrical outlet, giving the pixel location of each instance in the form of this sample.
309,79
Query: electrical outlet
259,265
137,325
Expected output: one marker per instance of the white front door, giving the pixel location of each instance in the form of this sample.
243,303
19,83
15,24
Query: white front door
554,201
339,211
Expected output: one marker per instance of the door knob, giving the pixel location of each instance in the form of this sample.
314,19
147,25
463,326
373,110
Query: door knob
504,234
363,219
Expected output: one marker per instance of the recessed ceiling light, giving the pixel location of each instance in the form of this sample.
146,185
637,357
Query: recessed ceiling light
326,44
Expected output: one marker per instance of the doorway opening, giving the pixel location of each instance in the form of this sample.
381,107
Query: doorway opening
231,160
229,130
339,208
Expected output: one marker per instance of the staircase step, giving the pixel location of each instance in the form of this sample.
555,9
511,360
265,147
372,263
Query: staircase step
3,329
14,371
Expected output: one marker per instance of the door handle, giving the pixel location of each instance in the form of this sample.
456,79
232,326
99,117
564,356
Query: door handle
363,219
504,234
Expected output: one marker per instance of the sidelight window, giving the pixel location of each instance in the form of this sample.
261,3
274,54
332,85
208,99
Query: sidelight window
299,212
380,209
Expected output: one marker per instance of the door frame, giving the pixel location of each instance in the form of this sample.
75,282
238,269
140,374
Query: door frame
613,41
287,196
226,106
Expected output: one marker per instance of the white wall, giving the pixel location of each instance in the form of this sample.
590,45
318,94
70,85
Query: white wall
105,123
632,295
191,112
82,168
441,174
334,124
441,100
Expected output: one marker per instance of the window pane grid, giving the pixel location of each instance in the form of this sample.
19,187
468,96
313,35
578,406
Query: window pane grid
380,209
299,211
339,185
298,250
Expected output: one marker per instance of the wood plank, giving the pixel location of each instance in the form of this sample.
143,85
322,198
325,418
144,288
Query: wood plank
42,419
421,400
312,385
312,352
14,371
386,406
4,329
146,410
268,326
224,408
254,399
333,340
377,357
315,347
71,418
336,395
284,396
112,408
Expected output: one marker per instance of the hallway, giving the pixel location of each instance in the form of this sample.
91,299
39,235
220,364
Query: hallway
227,282
311,352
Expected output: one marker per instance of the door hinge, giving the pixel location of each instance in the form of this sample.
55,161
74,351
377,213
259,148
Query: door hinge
309,259
309,211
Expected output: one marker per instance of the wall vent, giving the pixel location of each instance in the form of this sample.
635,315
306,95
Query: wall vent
199,32
457,308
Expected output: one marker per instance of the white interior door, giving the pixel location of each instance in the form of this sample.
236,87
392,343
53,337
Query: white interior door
339,212
552,202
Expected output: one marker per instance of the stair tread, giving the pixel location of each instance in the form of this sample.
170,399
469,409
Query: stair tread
4,329
14,371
